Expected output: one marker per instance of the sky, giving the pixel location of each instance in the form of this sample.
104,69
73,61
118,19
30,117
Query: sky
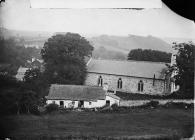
161,22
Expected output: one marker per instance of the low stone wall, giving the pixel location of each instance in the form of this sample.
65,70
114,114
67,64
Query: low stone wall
161,102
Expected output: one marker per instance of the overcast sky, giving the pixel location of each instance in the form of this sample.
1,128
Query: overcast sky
17,14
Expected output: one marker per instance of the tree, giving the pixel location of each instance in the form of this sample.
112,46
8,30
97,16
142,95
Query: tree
28,100
64,58
35,81
13,55
184,67
149,55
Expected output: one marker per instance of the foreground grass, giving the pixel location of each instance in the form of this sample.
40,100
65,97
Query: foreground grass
137,122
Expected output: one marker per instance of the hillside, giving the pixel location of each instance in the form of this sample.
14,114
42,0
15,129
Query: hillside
122,44
126,43
28,38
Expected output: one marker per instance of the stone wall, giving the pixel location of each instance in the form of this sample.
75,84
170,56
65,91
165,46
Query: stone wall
130,103
129,84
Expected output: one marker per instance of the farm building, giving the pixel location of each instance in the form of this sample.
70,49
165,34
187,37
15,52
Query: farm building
21,72
73,96
34,63
129,76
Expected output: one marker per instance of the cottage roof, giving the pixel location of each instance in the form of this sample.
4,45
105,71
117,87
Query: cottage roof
76,92
113,96
128,68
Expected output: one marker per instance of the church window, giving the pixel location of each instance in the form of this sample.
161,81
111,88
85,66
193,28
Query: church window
140,86
154,80
100,81
120,83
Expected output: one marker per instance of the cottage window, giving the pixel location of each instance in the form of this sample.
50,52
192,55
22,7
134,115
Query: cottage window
100,81
119,84
53,102
89,103
140,86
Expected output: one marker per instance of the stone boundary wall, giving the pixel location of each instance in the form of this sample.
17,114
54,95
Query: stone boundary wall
129,103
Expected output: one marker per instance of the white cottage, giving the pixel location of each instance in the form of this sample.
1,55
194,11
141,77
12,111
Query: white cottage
74,96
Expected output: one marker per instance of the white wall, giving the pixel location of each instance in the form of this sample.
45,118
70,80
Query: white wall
98,103
112,100
67,103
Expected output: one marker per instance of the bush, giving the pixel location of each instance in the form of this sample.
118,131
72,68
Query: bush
179,105
51,108
114,106
34,110
151,104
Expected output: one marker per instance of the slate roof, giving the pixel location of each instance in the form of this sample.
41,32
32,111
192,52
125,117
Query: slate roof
20,73
76,92
22,69
128,68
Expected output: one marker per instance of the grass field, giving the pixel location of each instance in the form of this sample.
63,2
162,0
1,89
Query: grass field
137,122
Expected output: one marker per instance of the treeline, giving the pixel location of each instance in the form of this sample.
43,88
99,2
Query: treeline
14,54
149,55
18,96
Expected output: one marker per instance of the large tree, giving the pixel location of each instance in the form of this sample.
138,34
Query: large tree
185,67
64,58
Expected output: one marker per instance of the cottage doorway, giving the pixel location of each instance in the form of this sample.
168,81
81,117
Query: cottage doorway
81,104
61,103
107,102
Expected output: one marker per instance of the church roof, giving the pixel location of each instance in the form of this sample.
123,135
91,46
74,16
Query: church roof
76,92
128,68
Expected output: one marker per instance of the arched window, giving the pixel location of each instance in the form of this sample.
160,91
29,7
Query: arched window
120,83
140,86
154,80
100,81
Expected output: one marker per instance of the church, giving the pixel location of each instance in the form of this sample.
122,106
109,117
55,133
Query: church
129,76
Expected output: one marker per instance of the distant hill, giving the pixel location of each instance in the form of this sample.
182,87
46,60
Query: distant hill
114,43
126,43
29,38
26,34
103,53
